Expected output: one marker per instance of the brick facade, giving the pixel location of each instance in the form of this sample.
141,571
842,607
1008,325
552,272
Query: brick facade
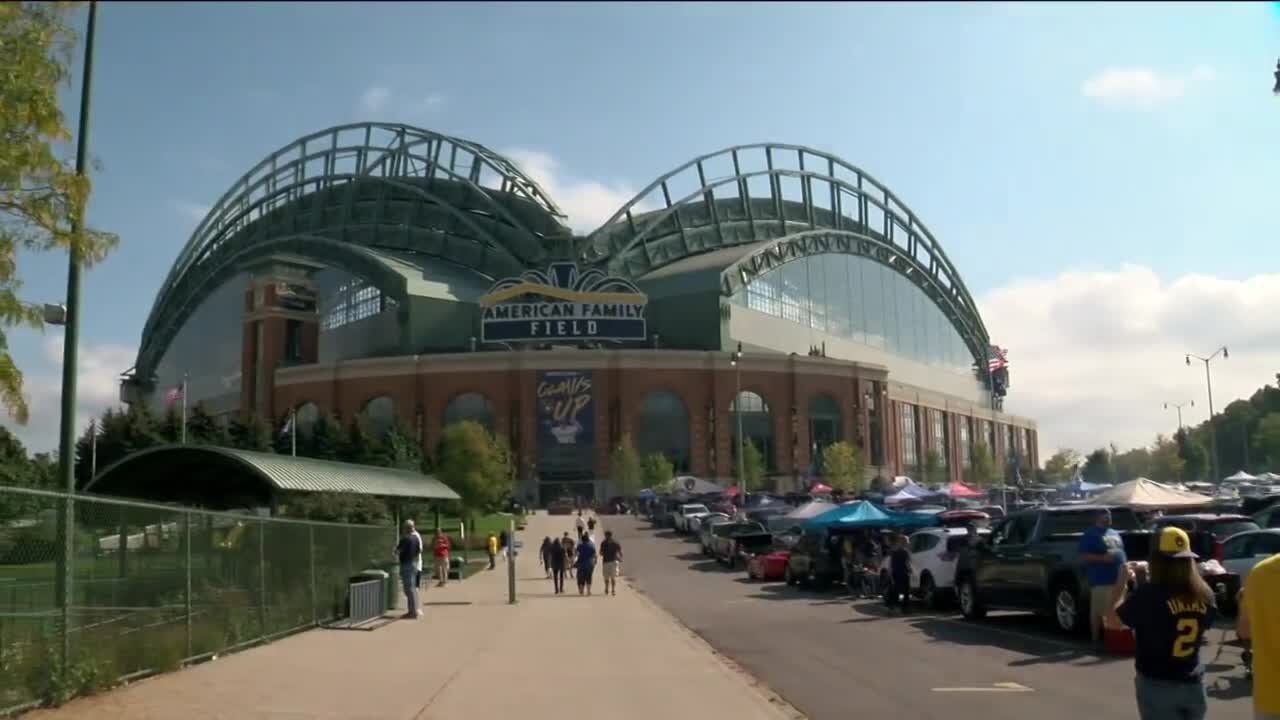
422,387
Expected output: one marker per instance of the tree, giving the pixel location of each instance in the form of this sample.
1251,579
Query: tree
626,470
472,462
1098,468
842,466
1267,439
1061,466
204,429
360,446
935,470
335,507
401,452
657,470
169,428
1195,459
1166,464
42,199
982,465
1132,464
325,441
249,433
753,462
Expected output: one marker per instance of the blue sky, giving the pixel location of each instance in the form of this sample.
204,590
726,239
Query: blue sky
1035,140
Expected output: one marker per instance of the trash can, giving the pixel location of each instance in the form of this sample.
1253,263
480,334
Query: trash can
368,595
455,567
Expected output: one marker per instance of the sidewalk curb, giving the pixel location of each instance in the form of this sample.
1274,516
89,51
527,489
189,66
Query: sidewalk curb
785,710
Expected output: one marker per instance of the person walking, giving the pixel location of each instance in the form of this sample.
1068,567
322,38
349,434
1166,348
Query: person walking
900,575
544,554
504,543
586,564
409,553
1259,623
1103,552
611,562
491,545
569,555
440,547
591,525
557,561
1169,614
417,575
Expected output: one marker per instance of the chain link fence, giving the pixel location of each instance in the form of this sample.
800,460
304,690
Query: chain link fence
153,587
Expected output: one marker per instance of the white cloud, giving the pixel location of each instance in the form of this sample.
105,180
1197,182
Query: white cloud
98,388
385,103
1142,87
194,212
588,203
375,100
1095,355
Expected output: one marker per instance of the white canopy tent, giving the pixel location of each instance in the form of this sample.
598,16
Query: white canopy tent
1144,494
797,517
1241,476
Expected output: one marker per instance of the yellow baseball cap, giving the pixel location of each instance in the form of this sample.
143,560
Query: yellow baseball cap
1174,542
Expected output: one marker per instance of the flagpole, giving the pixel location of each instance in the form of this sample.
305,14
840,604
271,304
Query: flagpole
293,432
184,408
93,449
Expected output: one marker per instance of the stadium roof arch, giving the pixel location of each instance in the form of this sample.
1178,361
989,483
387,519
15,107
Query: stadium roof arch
777,203
217,475
336,193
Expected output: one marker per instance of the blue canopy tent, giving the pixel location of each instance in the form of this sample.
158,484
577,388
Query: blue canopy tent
646,494
862,514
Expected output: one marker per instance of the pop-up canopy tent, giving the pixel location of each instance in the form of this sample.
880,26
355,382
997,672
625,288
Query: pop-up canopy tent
910,491
863,514
647,494
819,488
1079,485
797,517
1240,476
1144,494
960,490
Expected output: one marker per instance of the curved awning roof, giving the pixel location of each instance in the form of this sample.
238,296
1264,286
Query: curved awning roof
150,475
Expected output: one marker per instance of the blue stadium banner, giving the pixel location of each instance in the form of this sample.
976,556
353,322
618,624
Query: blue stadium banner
562,304
566,408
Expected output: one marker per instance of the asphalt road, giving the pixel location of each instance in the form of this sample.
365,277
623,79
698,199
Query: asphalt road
833,659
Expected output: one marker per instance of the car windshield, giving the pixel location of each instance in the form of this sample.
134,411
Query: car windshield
694,509
1227,528
1069,523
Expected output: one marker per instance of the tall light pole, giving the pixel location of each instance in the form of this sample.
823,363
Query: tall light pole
736,361
1178,407
70,353
1208,381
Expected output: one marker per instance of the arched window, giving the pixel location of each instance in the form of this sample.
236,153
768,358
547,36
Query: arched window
306,416
824,426
757,426
469,406
663,427
380,414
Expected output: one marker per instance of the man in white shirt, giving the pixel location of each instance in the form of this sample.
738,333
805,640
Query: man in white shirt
417,565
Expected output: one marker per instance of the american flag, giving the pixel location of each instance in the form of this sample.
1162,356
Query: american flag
997,358
173,395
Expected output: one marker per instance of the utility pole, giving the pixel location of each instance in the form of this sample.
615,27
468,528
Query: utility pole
736,361
71,354
1208,381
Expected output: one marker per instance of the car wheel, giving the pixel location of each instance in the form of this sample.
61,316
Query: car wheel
1066,609
787,577
970,607
928,592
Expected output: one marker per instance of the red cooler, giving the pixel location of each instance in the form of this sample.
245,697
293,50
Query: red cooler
1119,641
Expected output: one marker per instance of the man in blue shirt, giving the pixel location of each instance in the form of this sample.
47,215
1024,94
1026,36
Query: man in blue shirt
409,553
1102,550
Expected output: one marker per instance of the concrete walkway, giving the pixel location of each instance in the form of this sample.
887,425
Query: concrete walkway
470,656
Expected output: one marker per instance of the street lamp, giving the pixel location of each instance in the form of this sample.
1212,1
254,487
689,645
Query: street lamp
735,360
1178,407
1208,381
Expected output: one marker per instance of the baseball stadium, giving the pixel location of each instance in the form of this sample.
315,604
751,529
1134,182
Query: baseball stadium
419,279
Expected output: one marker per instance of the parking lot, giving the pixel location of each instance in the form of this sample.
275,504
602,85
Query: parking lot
832,658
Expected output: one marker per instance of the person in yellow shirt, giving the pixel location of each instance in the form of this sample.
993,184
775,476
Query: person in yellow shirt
1259,623
492,546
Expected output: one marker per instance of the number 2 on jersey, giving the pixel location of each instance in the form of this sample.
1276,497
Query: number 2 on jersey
1184,645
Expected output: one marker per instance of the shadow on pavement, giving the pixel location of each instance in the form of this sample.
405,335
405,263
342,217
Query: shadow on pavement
781,592
669,534
1027,635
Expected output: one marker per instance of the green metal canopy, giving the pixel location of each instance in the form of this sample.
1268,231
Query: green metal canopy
178,472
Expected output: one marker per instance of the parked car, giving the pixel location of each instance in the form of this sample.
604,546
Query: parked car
1032,562
688,516
934,556
730,540
770,565
1242,551
706,525
1218,527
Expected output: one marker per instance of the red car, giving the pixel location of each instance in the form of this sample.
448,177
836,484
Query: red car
768,566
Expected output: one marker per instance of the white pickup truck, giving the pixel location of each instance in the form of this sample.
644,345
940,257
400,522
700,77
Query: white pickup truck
689,515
